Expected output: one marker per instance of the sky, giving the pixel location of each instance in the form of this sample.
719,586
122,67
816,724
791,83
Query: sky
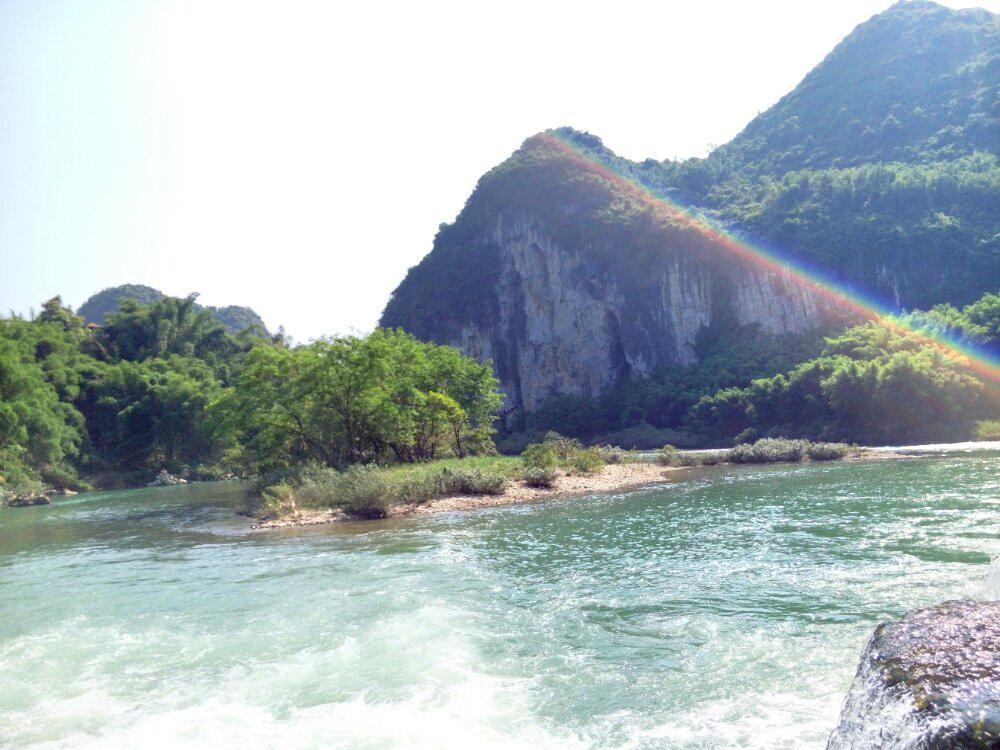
298,157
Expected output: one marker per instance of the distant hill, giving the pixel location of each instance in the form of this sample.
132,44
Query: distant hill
107,301
99,305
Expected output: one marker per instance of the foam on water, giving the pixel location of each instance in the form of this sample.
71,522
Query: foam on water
725,611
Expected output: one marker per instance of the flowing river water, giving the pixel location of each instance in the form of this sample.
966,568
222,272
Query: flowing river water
726,609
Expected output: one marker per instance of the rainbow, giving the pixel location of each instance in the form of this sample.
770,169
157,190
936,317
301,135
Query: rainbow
983,363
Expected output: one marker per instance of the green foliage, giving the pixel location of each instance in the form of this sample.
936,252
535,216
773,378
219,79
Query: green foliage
39,434
540,477
828,451
99,306
121,402
152,414
988,429
875,383
612,454
540,456
586,461
712,458
667,455
355,400
472,482
365,492
170,326
915,82
642,413
371,491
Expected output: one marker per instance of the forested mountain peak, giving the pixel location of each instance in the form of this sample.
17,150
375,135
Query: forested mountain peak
917,82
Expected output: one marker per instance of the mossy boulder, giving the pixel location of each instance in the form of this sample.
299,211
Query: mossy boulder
929,681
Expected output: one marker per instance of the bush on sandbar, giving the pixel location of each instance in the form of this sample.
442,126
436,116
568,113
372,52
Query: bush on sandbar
667,455
769,450
828,451
472,482
612,454
540,456
586,461
545,478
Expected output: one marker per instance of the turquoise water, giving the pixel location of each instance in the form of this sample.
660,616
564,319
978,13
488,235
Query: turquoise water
726,609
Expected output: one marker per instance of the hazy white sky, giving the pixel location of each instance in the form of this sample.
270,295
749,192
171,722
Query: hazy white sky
298,157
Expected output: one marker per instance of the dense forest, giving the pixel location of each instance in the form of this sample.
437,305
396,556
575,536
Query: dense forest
167,385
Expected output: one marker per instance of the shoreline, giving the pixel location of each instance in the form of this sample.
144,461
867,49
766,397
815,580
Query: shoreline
612,478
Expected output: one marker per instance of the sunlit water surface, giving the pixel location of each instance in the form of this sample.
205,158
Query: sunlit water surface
727,609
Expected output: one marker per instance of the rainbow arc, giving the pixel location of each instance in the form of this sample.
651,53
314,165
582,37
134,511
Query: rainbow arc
854,304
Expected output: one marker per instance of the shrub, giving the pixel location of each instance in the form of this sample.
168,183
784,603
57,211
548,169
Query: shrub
667,455
564,447
746,436
702,458
420,489
712,458
768,450
540,456
365,492
316,484
472,482
540,477
612,454
828,451
988,429
586,460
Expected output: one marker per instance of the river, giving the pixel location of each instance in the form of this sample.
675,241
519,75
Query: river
726,609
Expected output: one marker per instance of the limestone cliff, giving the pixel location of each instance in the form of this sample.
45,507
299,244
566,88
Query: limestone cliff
569,278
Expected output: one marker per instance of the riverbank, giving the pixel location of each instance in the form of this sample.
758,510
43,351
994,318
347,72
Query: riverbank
612,478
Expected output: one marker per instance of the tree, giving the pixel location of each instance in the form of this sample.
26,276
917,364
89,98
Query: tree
143,416
38,433
387,396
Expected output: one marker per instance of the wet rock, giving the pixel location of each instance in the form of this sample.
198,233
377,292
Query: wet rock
930,681
166,479
26,500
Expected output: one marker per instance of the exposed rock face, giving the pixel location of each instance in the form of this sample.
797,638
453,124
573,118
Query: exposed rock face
930,681
565,325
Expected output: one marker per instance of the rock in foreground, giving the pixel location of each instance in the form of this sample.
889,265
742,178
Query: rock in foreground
930,681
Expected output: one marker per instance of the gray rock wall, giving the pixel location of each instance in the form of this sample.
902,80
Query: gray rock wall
565,325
